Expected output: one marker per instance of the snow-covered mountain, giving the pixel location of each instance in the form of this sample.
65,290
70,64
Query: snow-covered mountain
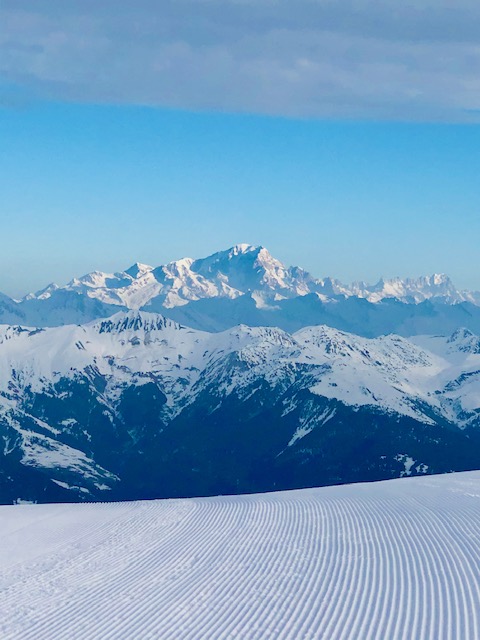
281,380
246,284
414,290
137,405
240,270
226,274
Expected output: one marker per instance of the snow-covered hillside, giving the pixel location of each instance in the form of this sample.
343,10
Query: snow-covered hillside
89,411
397,560
414,377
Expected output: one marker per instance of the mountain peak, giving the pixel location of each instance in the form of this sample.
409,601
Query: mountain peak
135,321
465,341
461,334
44,293
138,269
440,278
242,248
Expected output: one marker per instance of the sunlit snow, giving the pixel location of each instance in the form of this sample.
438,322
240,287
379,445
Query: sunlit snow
397,559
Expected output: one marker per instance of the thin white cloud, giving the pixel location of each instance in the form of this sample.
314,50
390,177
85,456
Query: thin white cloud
314,58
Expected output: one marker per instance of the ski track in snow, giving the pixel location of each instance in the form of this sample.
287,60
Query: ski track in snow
388,560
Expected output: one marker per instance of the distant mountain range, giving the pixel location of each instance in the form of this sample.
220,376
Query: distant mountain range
138,406
245,284
244,269
232,374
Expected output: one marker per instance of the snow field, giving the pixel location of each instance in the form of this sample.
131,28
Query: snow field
389,560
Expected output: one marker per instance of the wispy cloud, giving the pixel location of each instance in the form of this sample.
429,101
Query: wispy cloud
395,59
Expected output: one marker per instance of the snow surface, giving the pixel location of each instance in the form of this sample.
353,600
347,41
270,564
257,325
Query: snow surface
397,559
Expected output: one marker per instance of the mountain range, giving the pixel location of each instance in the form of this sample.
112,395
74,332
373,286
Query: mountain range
139,406
246,284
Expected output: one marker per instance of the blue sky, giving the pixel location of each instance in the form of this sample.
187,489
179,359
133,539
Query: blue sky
98,187
343,136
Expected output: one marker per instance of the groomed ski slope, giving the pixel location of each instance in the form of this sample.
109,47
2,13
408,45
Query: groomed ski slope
388,560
